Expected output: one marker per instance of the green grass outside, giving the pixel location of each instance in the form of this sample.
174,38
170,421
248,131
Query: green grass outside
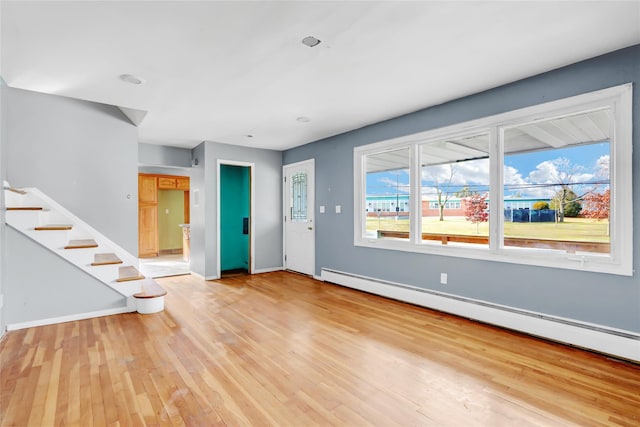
574,229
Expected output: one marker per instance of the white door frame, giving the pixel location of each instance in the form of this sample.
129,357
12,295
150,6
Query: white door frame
252,225
312,163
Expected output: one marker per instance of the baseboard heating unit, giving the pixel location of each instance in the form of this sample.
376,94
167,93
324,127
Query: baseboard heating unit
603,339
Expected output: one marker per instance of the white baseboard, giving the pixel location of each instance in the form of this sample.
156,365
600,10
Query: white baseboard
203,277
70,318
603,339
266,270
318,278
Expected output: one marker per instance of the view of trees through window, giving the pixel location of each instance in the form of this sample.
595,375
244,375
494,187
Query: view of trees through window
562,166
388,206
454,176
555,192
549,185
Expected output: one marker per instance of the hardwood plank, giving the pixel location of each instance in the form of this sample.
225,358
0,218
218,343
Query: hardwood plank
284,349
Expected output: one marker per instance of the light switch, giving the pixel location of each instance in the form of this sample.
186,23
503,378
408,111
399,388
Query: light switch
338,209
321,209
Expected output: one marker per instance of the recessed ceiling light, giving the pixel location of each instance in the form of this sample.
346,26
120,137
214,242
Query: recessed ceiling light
303,119
310,41
130,78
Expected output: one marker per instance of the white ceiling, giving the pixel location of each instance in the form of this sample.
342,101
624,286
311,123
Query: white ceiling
220,71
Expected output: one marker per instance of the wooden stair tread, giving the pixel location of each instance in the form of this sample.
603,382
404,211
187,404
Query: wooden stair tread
106,259
15,190
129,273
150,289
54,227
81,244
24,208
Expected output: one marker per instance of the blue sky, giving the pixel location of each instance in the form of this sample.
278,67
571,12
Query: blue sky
532,174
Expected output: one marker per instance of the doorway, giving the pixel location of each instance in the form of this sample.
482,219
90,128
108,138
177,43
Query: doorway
299,226
235,218
163,221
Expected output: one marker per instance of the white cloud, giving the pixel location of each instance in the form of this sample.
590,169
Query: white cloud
542,182
512,176
471,172
403,187
602,167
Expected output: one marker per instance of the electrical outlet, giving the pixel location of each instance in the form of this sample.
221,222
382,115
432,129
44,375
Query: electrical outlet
443,278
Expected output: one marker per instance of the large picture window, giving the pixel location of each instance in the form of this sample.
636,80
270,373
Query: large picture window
546,185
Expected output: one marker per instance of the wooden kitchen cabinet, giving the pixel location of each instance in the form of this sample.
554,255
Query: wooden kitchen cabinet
148,187
182,183
166,183
173,182
147,216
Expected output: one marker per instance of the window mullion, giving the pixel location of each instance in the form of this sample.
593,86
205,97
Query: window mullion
415,215
496,188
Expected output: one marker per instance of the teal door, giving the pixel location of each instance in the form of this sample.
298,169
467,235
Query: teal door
235,208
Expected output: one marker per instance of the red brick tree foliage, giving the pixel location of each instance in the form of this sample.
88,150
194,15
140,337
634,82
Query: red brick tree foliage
597,205
475,210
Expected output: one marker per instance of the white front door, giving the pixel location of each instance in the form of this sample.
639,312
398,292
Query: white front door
299,225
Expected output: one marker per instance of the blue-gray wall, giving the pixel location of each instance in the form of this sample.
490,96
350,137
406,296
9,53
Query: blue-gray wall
82,154
268,205
608,300
150,155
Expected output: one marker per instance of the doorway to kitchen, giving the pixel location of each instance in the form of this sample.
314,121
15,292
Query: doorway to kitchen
163,225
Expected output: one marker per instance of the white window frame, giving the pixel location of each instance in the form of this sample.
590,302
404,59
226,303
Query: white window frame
620,260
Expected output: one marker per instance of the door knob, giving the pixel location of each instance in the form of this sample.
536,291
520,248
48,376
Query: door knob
309,228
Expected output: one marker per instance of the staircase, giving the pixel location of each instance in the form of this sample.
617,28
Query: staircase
40,218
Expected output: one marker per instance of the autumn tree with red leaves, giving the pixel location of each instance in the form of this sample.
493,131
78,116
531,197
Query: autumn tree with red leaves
597,205
475,210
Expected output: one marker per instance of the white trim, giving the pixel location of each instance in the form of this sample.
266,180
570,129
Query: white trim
312,162
268,270
203,277
618,99
252,217
318,278
69,318
603,339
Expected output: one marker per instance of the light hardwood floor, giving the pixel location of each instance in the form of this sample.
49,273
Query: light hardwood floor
283,349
